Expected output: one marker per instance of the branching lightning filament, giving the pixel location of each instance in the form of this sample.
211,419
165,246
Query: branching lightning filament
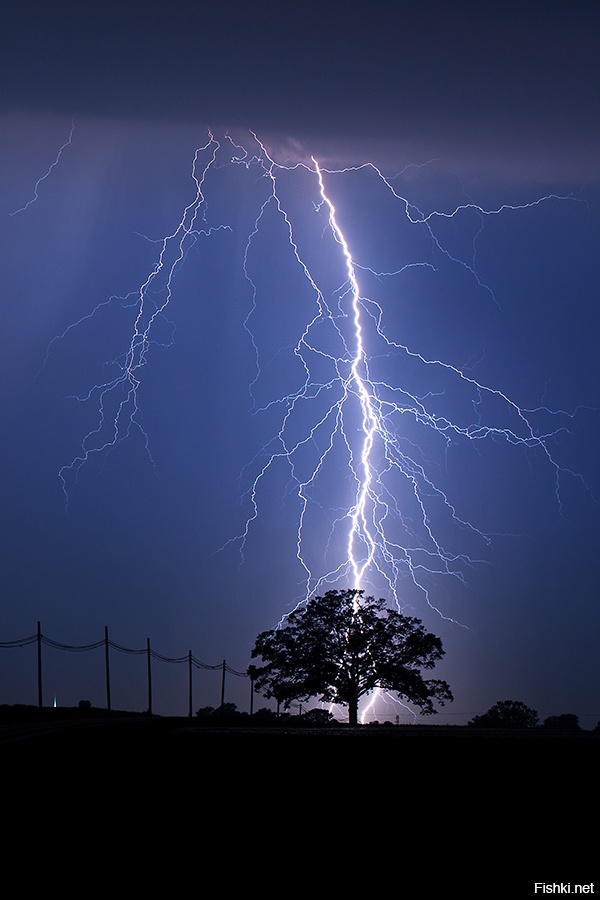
361,412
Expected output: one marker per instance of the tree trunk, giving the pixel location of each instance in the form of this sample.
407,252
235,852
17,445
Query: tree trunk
352,694
353,712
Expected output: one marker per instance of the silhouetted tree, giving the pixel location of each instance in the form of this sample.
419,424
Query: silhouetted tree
317,717
228,710
343,645
264,713
507,714
564,722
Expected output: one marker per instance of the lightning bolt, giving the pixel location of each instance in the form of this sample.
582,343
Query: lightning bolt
117,397
46,174
369,509
366,426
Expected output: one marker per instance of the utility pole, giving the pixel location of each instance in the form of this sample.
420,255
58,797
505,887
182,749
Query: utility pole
39,662
149,677
223,689
106,667
190,683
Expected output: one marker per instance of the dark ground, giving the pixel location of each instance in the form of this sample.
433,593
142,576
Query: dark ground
53,729
521,759
422,810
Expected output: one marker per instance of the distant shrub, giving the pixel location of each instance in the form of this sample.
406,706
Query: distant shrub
507,714
564,722
317,717
264,713
228,710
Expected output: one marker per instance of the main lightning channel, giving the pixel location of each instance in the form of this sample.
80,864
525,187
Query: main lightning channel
346,427
375,518
359,532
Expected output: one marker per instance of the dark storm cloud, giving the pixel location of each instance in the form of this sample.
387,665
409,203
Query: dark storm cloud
502,85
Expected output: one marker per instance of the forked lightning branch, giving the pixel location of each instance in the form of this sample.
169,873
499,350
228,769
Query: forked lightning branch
355,423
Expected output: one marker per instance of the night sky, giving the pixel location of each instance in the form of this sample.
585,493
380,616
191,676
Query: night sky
483,108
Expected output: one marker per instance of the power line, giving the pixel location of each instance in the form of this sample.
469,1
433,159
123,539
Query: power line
192,661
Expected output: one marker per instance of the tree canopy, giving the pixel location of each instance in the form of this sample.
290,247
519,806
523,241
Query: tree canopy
564,722
343,645
507,714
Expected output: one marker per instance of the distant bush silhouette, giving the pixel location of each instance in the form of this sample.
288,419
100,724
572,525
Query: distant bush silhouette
317,717
229,710
564,722
265,713
507,714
